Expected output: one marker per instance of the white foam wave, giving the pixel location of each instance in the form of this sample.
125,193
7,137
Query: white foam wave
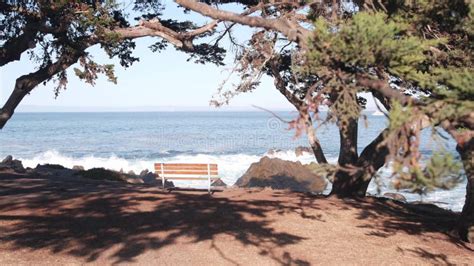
231,166
290,155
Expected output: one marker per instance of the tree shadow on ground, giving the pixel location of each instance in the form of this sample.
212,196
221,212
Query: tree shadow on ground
85,219
414,219
435,258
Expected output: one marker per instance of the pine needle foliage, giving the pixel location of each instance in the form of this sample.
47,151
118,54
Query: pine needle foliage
423,49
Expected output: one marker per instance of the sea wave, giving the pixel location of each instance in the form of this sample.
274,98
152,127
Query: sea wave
231,166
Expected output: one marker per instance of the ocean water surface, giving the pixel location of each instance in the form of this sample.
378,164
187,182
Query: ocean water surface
234,140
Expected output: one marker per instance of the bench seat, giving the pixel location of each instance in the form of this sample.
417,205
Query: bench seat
187,171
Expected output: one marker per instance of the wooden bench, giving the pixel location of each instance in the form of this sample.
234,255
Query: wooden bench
187,171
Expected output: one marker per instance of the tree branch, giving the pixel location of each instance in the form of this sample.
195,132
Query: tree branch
280,84
26,83
373,156
384,88
155,28
388,92
14,47
302,108
292,31
382,99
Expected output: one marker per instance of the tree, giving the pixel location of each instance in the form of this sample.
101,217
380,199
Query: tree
56,34
414,57
285,22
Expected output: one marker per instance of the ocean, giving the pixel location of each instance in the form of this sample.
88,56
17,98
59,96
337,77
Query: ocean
234,140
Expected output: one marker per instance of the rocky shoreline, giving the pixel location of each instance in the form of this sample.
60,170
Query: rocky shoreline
271,173
145,177
268,172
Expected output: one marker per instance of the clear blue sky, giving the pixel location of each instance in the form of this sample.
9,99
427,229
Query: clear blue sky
158,80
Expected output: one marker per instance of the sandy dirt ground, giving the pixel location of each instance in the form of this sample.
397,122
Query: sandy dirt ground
68,221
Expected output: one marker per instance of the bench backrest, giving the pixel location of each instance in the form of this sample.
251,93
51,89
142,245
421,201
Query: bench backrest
196,170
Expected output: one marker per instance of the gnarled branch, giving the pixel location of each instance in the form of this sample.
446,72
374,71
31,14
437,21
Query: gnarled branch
26,83
291,30
153,28
13,49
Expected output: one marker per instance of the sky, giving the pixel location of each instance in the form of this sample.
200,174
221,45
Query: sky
158,82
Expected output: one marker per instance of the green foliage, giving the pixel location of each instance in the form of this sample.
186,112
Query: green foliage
367,44
455,83
440,15
370,40
468,22
441,171
91,69
398,115
422,48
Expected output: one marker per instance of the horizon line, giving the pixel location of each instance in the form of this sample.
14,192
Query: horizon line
44,108
110,109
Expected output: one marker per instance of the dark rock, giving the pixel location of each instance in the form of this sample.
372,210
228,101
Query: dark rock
153,179
50,166
103,174
218,183
168,184
12,164
150,178
7,159
395,196
280,174
300,150
53,170
78,168
144,172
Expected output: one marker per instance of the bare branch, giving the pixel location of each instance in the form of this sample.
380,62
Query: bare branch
292,31
155,28
385,89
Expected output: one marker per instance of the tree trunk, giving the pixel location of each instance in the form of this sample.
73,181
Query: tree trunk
313,140
348,143
26,83
355,183
345,182
18,93
466,221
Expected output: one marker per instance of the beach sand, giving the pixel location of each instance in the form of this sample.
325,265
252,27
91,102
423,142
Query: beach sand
57,221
